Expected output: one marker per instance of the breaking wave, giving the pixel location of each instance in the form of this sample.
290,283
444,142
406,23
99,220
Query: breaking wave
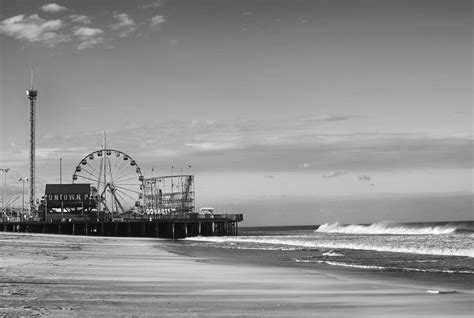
403,269
302,242
386,228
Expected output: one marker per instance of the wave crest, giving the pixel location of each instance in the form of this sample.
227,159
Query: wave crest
385,228
403,269
302,242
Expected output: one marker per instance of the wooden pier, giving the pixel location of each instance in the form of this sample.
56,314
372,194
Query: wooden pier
163,226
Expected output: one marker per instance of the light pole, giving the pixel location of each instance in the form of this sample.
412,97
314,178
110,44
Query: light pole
5,170
193,188
23,179
172,186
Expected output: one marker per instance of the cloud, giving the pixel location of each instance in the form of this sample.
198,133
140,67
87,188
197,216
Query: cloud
85,32
156,22
53,8
34,29
154,4
213,145
90,42
302,20
326,118
355,152
173,43
333,174
125,25
82,19
279,145
89,37
259,145
364,178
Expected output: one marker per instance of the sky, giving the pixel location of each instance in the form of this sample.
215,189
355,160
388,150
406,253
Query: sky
310,101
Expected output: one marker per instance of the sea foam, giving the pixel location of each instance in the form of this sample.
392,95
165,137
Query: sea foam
308,242
332,253
385,228
375,267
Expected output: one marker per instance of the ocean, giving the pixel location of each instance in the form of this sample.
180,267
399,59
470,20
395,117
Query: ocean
445,248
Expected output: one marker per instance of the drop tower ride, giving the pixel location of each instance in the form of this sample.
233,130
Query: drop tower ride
32,94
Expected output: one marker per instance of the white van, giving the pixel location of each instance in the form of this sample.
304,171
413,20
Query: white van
207,211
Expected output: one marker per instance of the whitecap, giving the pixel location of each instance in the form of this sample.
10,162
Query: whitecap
385,228
297,242
332,253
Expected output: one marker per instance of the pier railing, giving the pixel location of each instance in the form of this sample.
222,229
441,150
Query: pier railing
177,225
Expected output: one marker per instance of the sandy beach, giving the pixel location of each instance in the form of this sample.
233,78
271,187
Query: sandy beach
49,275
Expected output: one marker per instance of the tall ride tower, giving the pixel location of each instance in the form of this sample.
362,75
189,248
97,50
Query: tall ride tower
32,94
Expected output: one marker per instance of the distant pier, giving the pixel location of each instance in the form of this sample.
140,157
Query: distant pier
163,226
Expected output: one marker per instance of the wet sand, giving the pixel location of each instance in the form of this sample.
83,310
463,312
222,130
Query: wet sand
48,275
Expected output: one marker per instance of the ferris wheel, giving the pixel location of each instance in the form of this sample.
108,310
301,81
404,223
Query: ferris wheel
116,179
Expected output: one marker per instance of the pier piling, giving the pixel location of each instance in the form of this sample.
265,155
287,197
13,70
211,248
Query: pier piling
172,227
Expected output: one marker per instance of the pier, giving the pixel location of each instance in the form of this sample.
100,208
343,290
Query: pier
163,226
110,196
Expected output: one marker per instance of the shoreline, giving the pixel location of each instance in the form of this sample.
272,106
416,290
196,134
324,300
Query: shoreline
421,280
52,275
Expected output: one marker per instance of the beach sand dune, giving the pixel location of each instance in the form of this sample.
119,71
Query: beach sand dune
50,275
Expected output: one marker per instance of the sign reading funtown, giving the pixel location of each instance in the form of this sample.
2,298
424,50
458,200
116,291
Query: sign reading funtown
67,195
